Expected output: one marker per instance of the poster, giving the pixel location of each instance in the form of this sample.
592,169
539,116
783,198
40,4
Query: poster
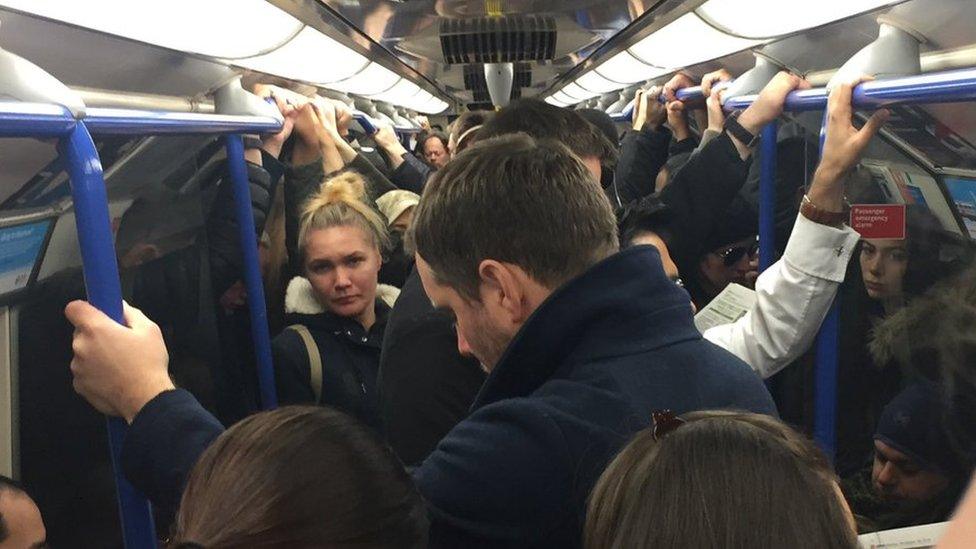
20,246
963,193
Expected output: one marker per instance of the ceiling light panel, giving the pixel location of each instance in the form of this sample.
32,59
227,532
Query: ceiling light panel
310,56
771,18
219,28
375,78
688,41
627,69
573,90
595,82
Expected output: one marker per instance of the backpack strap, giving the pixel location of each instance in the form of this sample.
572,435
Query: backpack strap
314,360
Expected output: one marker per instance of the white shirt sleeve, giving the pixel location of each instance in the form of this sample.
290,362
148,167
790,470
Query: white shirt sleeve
792,298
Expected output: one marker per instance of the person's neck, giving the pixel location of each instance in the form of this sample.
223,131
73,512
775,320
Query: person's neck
368,318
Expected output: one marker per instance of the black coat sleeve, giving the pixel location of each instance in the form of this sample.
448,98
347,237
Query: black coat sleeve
226,259
376,183
163,444
411,175
642,154
699,194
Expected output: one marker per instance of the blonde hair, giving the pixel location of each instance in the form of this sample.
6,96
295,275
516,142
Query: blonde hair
339,203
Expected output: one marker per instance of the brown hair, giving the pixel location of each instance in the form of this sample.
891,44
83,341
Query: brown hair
300,476
544,121
339,203
465,130
518,200
721,480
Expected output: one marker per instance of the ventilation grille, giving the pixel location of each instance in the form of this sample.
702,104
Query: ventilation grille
482,95
498,39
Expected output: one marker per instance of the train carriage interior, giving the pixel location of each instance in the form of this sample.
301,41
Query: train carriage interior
163,89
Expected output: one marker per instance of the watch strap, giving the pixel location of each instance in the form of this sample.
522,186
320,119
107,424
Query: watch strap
738,131
817,214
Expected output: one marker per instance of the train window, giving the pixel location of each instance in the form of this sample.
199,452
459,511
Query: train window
943,134
963,194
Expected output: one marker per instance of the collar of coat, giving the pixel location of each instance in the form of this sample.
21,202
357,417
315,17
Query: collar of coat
300,298
624,305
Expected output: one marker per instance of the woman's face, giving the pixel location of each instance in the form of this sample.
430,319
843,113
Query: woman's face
342,264
883,265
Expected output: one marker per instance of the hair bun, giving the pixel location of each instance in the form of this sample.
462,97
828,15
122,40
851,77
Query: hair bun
347,187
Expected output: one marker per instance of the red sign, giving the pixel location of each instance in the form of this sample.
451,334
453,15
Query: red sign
885,221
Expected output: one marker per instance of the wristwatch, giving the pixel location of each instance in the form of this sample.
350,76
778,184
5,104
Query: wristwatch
736,130
825,217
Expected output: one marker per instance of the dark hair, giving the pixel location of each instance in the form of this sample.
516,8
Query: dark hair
8,484
933,336
722,479
300,477
602,122
647,215
544,121
464,124
514,199
926,239
434,135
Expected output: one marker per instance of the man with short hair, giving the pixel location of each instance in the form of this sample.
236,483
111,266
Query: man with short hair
582,344
21,526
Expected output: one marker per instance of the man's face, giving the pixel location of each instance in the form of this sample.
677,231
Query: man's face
896,476
435,153
481,332
23,520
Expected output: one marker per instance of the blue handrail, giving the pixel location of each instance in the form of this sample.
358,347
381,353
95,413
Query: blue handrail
34,120
252,271
767,197
134,122
104,292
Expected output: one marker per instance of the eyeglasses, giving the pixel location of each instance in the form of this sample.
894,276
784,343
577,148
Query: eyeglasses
663,422
731,255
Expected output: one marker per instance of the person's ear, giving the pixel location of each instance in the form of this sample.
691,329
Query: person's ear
503,288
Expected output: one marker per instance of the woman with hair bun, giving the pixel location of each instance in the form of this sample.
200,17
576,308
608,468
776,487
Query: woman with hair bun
336,311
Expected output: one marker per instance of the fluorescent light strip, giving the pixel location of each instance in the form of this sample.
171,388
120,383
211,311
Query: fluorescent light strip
772,18
312,57
627,69
219,28
688,41
375,78
575,91
553,101
597,83
562,97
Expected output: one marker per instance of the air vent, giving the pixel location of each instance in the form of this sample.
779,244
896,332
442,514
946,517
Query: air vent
498,39
482,95
474,77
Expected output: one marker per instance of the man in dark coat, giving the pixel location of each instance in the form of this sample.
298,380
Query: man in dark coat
582,344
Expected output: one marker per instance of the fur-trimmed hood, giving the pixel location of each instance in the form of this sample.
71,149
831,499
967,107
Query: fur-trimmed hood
300,299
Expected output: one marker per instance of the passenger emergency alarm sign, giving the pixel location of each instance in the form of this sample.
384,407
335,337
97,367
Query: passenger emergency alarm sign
884,221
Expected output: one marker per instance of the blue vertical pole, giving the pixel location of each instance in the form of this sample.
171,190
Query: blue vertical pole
825,373
104,292
252,271
767,197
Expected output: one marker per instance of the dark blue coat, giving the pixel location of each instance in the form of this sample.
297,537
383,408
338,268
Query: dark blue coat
580,378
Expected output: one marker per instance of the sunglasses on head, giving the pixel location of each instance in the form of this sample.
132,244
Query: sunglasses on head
731,255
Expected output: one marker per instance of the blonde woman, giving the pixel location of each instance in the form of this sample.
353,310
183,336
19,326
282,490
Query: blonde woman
330,352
